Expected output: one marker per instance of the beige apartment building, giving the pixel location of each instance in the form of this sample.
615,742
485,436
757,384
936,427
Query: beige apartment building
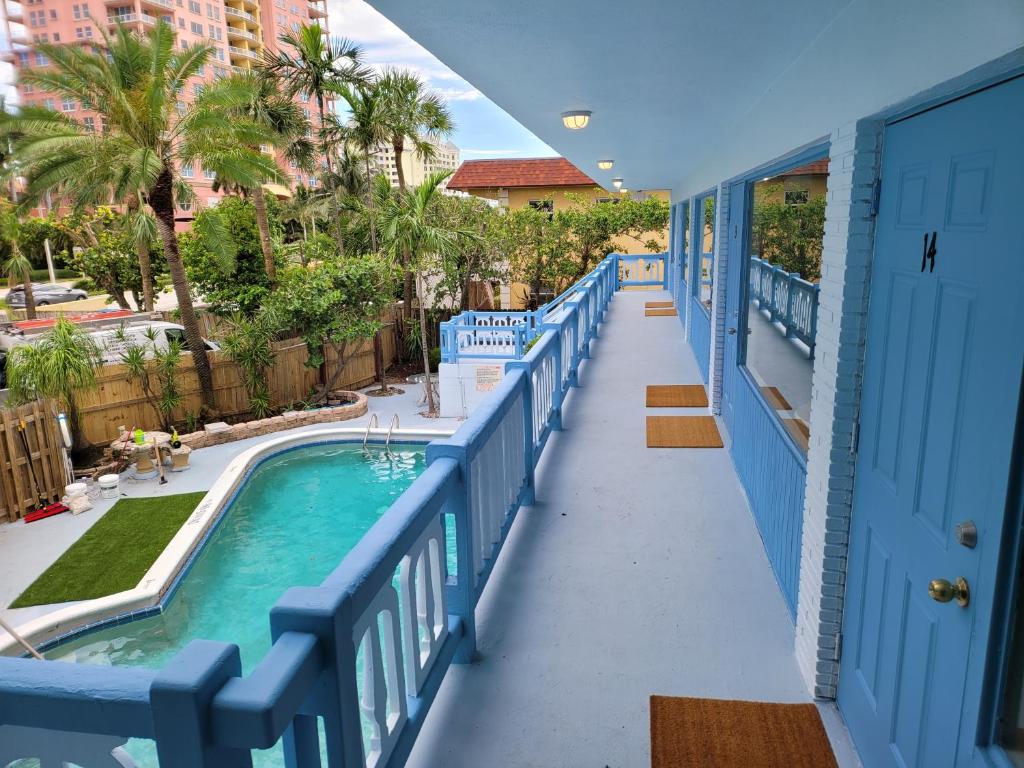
417,167
239,30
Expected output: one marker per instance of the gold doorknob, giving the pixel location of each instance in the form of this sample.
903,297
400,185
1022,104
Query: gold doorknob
943,591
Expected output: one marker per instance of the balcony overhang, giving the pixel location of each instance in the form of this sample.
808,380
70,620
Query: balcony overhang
685,93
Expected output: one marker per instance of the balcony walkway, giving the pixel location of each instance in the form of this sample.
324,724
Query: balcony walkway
637,572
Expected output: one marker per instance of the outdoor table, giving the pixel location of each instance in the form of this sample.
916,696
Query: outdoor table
143,453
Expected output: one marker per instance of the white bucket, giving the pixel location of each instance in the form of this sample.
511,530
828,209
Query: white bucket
108,486
74,489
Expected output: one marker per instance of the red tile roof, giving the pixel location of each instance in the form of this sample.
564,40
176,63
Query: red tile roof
818,167
532,172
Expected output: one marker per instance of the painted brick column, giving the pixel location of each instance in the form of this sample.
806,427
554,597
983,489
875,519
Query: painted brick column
718,293
854,159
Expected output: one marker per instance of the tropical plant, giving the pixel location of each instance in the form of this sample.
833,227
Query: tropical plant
591,226
408,225
107,252
60,364
16,266
789,236
285,129
308,62
366,129
224,260
156,370
248,342
147,136
473,260
334,305
411,113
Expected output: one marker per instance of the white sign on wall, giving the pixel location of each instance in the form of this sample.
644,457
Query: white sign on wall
488,376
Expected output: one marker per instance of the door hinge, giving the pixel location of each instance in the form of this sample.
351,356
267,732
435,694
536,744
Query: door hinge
839,647
855,441
876,196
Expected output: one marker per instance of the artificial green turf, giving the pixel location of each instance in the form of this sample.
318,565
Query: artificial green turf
115,553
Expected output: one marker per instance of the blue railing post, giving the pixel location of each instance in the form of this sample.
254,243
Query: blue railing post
325,613
181,697
529,494
573,318
618,282
461,601
791,278
557,396
664,271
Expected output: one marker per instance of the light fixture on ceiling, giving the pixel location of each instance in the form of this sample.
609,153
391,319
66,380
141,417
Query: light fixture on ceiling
767,178
617,183
605,165
575,119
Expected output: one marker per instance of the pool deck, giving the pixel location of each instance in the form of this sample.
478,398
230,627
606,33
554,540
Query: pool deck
28,550
637,572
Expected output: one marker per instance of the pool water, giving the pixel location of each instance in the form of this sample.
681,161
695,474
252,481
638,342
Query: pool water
291,523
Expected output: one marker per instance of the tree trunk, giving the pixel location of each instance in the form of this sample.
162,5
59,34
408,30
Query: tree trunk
30,297
424,346
378,361
146,270
139,303
162,202
323,140
118,295
370,205
259,203
398,145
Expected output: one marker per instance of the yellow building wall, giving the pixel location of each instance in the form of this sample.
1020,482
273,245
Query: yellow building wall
520,197
816,186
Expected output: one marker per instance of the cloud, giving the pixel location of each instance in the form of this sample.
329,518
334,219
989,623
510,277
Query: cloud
495,152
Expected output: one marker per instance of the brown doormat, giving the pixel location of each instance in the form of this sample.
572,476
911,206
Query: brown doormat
711,733
661,313
676,396
775,399
683,432
658,304
800,431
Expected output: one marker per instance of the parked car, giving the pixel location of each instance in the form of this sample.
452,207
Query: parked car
45,293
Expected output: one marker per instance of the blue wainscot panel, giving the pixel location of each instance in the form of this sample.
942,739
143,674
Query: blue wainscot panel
774,476
700,336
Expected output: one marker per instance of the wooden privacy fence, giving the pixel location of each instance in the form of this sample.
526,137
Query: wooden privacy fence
118,401
18,492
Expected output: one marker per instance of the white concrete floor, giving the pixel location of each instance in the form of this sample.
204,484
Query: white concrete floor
26,550
637,572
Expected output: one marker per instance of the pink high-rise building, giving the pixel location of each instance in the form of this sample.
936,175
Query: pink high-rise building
239,30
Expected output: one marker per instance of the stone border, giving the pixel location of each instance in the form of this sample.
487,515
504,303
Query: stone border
158,584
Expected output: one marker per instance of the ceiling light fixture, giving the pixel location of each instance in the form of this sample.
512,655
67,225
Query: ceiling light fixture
575,119
605,165
617,183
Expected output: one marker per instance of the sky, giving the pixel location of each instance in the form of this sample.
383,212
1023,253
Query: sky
482,129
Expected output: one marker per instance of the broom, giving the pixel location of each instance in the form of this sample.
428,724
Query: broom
47,507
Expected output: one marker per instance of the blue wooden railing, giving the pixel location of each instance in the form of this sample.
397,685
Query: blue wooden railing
506,335
364,653
789,300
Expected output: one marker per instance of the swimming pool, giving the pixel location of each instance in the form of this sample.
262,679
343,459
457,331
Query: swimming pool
291,523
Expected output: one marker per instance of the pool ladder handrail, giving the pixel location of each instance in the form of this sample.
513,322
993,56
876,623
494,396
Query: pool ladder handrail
370,425
391,427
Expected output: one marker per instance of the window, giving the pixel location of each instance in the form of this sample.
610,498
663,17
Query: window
89,123
67,104
193,5
704,283
212,201
782,296
185,205
88,33
56,37
187,171
23,58
196,27
76,11
180,107
48,103
27,88
37,18
209,174
181,22
201,71
197,89
797,196
80,33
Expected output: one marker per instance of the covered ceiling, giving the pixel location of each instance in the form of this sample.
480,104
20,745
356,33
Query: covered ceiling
685,93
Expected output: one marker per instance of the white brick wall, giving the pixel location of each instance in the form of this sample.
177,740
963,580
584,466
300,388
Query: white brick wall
718,292
842,319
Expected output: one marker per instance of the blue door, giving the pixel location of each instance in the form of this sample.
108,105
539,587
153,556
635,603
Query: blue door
734,296
941,384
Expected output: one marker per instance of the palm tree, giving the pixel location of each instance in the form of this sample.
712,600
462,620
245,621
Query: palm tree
17,267
366,129
146,137
408,225
412,113
144,233
286,129
315,68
